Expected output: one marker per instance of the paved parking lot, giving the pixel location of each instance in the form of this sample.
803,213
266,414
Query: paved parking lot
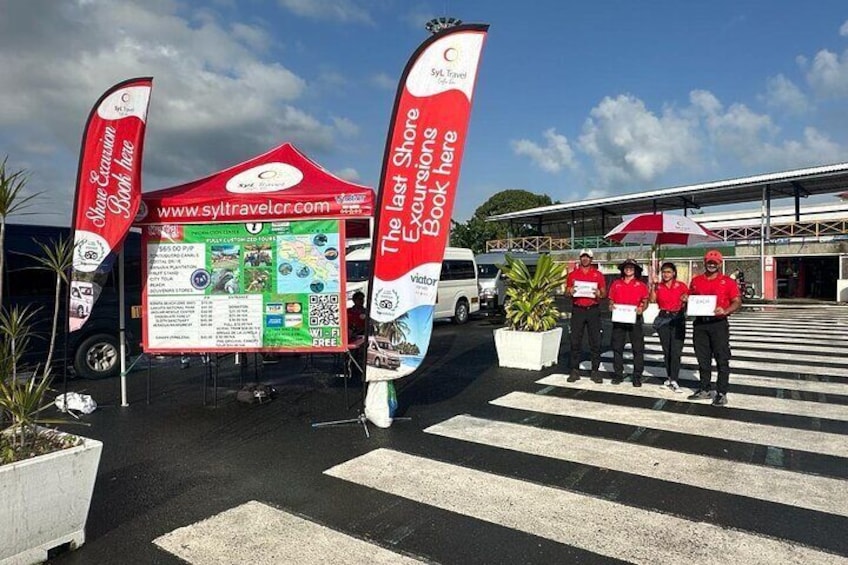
494,466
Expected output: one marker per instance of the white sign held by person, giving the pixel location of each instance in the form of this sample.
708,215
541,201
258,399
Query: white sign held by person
701,305
624,314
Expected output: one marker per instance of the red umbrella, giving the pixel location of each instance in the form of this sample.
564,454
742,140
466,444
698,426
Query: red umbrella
659,229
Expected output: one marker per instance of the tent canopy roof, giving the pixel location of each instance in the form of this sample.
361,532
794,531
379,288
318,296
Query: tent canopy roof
280,184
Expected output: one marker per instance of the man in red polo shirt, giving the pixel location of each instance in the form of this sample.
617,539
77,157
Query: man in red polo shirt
586,287
711,334
629,290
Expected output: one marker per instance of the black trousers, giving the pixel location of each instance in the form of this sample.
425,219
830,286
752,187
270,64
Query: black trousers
590,320
711,338
672,335
620,334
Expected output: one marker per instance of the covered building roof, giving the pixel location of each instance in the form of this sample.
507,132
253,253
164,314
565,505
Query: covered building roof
599,215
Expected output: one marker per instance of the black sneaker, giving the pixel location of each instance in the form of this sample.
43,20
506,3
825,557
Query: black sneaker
637,381
596,377
616,380
720,399
573,377
700,395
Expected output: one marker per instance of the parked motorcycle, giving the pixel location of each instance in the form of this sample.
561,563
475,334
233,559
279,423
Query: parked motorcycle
746,289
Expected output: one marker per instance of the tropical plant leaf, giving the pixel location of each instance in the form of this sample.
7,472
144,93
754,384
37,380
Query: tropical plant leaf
530,304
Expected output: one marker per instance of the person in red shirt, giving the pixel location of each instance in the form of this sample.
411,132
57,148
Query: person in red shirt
711,334
629,290
586,287
670,296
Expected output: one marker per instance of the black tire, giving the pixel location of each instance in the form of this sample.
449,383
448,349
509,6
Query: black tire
749,292
98,357
460,313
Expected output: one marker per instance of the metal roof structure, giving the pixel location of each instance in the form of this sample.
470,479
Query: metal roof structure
599,215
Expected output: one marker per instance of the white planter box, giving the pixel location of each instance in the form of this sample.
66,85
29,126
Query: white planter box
45,502
527,350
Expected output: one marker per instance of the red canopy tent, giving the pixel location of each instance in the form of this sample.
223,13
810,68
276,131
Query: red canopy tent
280,184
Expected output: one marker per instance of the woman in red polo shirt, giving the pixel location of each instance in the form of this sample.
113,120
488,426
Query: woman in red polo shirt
670,295
629,290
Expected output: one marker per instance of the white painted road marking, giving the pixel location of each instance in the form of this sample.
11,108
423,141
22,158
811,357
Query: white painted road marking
775,485
256,533
597,525
787,438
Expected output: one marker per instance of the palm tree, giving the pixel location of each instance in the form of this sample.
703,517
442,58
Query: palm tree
396,330
57,257
11,202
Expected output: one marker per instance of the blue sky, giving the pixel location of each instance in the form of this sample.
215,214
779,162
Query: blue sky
574,100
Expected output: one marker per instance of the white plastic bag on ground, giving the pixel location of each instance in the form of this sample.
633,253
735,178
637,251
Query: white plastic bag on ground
76,402
377,408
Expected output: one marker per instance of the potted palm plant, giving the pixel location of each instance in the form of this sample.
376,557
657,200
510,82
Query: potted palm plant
531,338
46,477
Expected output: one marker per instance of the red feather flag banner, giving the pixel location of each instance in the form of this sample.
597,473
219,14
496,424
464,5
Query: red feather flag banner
418,184
108,190
418,188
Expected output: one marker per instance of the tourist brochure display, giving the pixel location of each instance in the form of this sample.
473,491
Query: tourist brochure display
624,314
273,286
701,305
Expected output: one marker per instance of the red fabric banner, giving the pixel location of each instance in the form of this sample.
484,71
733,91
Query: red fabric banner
417,191
108,189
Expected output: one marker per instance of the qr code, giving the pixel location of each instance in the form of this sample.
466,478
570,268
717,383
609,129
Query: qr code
324,310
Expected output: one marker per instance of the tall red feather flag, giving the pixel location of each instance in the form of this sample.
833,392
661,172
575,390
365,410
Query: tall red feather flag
108,190
418,187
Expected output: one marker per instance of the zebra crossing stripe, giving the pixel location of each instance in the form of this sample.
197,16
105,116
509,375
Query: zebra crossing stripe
758,345
778,383
706,426
765,365
754,481
259,534
653,344
737,401
805,341
597,525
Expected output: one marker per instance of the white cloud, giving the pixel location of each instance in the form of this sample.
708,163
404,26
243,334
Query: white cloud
629,144
843,29
344,11
828,74
345,127
552,157
740,135
216,99
783,94
384,81
348,174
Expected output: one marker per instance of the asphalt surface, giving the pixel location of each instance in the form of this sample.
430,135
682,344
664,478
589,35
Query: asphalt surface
175,461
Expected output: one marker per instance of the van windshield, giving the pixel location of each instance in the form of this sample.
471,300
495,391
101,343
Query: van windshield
487,271
357,271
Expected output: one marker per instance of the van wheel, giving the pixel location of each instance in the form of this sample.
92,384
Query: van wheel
460,314
97,357
378,363
80,312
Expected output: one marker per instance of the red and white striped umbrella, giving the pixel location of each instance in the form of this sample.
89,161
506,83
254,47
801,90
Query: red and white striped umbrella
661,229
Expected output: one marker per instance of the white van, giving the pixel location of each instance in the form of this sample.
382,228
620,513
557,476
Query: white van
458,294
492,281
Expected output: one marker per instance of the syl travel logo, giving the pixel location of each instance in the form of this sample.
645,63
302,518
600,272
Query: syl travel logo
269,177
125,107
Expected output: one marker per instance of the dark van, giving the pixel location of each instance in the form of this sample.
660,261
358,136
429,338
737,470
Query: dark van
93,350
